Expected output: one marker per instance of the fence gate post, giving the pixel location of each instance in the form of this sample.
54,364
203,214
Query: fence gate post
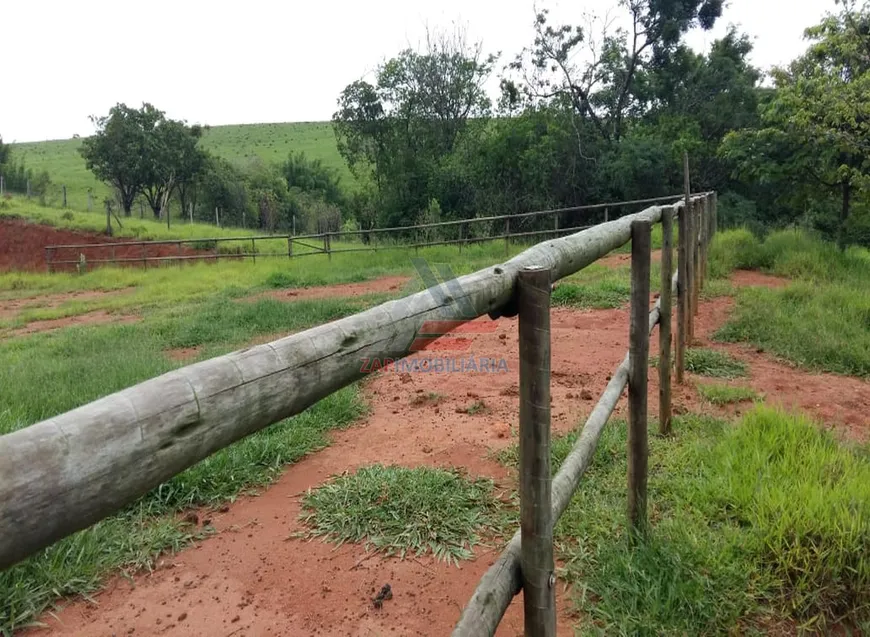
665,323
536,522
638,352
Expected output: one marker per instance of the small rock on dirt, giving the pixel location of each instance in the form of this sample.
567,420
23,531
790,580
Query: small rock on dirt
586,395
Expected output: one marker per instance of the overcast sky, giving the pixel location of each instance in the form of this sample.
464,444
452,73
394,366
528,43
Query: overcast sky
270,61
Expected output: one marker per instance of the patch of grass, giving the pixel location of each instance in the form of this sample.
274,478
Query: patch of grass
751,524
725,394
600,287
477,407
820,321
397,510
817,326
709,362
432,398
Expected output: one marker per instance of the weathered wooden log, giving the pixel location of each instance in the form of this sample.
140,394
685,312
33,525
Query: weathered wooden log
65,473
502,581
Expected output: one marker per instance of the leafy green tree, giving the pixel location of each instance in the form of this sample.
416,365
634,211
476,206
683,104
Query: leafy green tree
120,151
311,176
398,134
814,141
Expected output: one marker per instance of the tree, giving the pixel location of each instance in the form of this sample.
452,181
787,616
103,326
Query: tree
814,141
399,132
5,152
602,89
311,176
120,151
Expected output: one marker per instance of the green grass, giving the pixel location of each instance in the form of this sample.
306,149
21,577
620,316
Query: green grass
46,374
399,510
238,143
600,287
709,362
821,321
726,394
752,526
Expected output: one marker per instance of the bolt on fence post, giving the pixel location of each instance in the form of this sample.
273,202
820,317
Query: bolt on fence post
536,522
638,445
665,323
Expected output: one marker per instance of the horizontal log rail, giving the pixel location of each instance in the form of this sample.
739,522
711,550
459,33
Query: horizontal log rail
326,239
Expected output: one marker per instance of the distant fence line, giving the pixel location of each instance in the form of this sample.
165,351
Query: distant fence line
413,236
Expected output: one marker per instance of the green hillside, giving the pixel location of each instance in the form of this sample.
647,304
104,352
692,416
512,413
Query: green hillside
238,143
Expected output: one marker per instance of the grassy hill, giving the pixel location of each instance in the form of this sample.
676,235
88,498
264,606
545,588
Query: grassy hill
237,143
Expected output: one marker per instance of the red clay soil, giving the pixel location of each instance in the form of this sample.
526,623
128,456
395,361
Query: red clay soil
383,285
22,247
254,578
97,317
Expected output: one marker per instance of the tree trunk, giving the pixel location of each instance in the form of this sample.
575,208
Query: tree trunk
844,215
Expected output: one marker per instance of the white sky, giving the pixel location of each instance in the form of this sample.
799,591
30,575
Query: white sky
216,62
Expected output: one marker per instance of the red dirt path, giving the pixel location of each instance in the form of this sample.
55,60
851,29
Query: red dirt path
253,578
22,247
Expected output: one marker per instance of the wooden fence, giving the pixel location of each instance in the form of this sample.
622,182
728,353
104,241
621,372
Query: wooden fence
66,473
460,233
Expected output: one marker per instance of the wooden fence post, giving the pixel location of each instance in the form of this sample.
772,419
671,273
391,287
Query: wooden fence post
556,226
190,211
2,185
507,234
254,249
28,189
682,285
460,237
217,218
64,196
696,261
665,323
536,521
638,353
690,274
290,247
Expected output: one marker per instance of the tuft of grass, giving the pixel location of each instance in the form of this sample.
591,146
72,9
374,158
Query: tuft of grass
805,500
477,407
432,398
709,362
396,510
725,394
753,524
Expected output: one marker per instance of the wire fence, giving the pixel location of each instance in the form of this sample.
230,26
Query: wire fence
461,233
